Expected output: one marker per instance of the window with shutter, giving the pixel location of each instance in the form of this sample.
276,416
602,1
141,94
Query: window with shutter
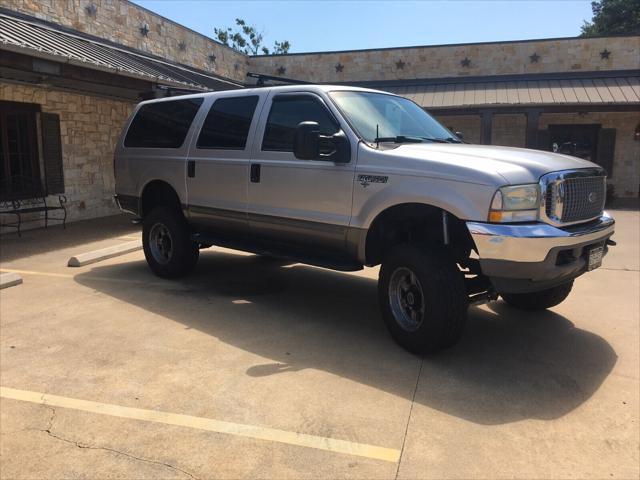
52,153
606,149
19,165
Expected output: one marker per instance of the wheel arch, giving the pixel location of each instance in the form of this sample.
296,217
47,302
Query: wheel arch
158,192
413,222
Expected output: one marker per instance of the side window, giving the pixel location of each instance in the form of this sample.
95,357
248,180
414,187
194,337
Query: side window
285,115
162,124
227,123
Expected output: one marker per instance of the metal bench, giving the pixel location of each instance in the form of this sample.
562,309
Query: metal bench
34,201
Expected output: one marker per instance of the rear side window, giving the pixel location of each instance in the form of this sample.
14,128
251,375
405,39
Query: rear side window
162,124
227,123
285,115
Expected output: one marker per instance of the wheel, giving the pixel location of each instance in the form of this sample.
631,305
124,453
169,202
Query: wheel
168,248
423,298
539,300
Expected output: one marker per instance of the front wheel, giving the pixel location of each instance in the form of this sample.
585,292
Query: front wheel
423,298
539,300
167,245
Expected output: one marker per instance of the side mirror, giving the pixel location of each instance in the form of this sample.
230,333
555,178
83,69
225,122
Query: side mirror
306,143
460,135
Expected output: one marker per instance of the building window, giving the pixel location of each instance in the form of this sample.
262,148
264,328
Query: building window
19,161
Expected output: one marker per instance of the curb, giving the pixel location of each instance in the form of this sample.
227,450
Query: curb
104,254
9,279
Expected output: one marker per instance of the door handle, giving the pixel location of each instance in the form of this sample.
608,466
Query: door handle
191,168
255,173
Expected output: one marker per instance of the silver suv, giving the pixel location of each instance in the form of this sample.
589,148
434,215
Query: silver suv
344,177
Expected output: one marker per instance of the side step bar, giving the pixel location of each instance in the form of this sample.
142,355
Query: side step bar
274,251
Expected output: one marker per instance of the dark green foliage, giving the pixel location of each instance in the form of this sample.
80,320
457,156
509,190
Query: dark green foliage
246,39
613,17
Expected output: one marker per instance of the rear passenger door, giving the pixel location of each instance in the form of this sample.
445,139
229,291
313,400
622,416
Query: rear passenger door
304,203
218,164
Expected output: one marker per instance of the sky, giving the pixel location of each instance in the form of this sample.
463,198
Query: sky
345,25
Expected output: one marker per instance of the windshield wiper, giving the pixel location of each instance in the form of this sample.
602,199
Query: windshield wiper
443,140
399,139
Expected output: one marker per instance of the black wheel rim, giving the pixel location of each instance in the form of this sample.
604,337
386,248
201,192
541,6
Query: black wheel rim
161,243
406,299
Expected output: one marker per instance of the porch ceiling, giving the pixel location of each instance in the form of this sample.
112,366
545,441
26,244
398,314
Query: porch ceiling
603,90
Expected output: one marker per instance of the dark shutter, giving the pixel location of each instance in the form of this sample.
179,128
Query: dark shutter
52,153
606,149
544,140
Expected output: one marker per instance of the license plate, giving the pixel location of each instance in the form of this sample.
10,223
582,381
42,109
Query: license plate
595,258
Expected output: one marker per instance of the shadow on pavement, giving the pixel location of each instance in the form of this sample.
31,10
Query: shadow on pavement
508,367
41,240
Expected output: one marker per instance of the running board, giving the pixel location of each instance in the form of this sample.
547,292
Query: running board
285,253
482,298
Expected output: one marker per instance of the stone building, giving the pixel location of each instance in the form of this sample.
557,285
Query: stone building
71,72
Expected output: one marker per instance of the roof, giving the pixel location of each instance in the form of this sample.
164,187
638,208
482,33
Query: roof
448,45
35,38
596,89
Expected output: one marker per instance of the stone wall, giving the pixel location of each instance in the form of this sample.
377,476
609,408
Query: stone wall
468,125
120,21
509,130
505,58
89,127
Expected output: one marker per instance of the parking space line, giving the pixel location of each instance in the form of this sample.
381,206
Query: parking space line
70,275
251,431
31,272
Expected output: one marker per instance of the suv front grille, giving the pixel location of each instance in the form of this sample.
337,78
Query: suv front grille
571,198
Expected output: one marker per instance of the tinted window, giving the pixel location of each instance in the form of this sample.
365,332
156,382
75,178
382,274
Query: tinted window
227,124
162,124
285,115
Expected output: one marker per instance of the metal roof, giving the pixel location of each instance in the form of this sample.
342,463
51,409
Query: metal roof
45,41
596,90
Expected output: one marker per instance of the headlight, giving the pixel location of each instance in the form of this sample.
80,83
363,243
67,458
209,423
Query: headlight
515,204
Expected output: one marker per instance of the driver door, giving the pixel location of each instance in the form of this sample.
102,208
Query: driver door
304,203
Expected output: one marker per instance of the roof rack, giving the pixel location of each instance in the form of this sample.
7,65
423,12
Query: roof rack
271,78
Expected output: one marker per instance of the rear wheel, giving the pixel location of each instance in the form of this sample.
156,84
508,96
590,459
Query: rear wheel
168,248
423,298
539,300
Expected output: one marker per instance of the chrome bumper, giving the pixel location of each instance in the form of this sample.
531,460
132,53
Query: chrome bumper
533,242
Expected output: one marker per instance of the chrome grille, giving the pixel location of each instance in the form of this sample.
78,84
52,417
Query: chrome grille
574,196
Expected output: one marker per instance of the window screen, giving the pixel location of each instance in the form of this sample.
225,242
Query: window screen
162,124
285,115
227,123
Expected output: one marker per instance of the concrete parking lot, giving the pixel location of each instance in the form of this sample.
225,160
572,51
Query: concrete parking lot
255,368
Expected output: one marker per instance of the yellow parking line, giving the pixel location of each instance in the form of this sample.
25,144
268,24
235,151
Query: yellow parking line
68,275
209,424
31,272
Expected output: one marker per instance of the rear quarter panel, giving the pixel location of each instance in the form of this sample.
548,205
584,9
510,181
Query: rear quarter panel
136,167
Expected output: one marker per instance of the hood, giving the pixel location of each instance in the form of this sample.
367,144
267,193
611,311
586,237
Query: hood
487,163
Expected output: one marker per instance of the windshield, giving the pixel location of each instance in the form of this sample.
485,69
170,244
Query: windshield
397,119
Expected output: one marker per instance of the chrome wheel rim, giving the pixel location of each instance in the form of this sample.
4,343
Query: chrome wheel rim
406,299
160,243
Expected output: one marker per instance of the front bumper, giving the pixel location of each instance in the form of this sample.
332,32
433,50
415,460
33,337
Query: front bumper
529,257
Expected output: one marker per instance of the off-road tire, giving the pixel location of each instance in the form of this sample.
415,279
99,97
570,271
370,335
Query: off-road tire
539,300
443,291
184,252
